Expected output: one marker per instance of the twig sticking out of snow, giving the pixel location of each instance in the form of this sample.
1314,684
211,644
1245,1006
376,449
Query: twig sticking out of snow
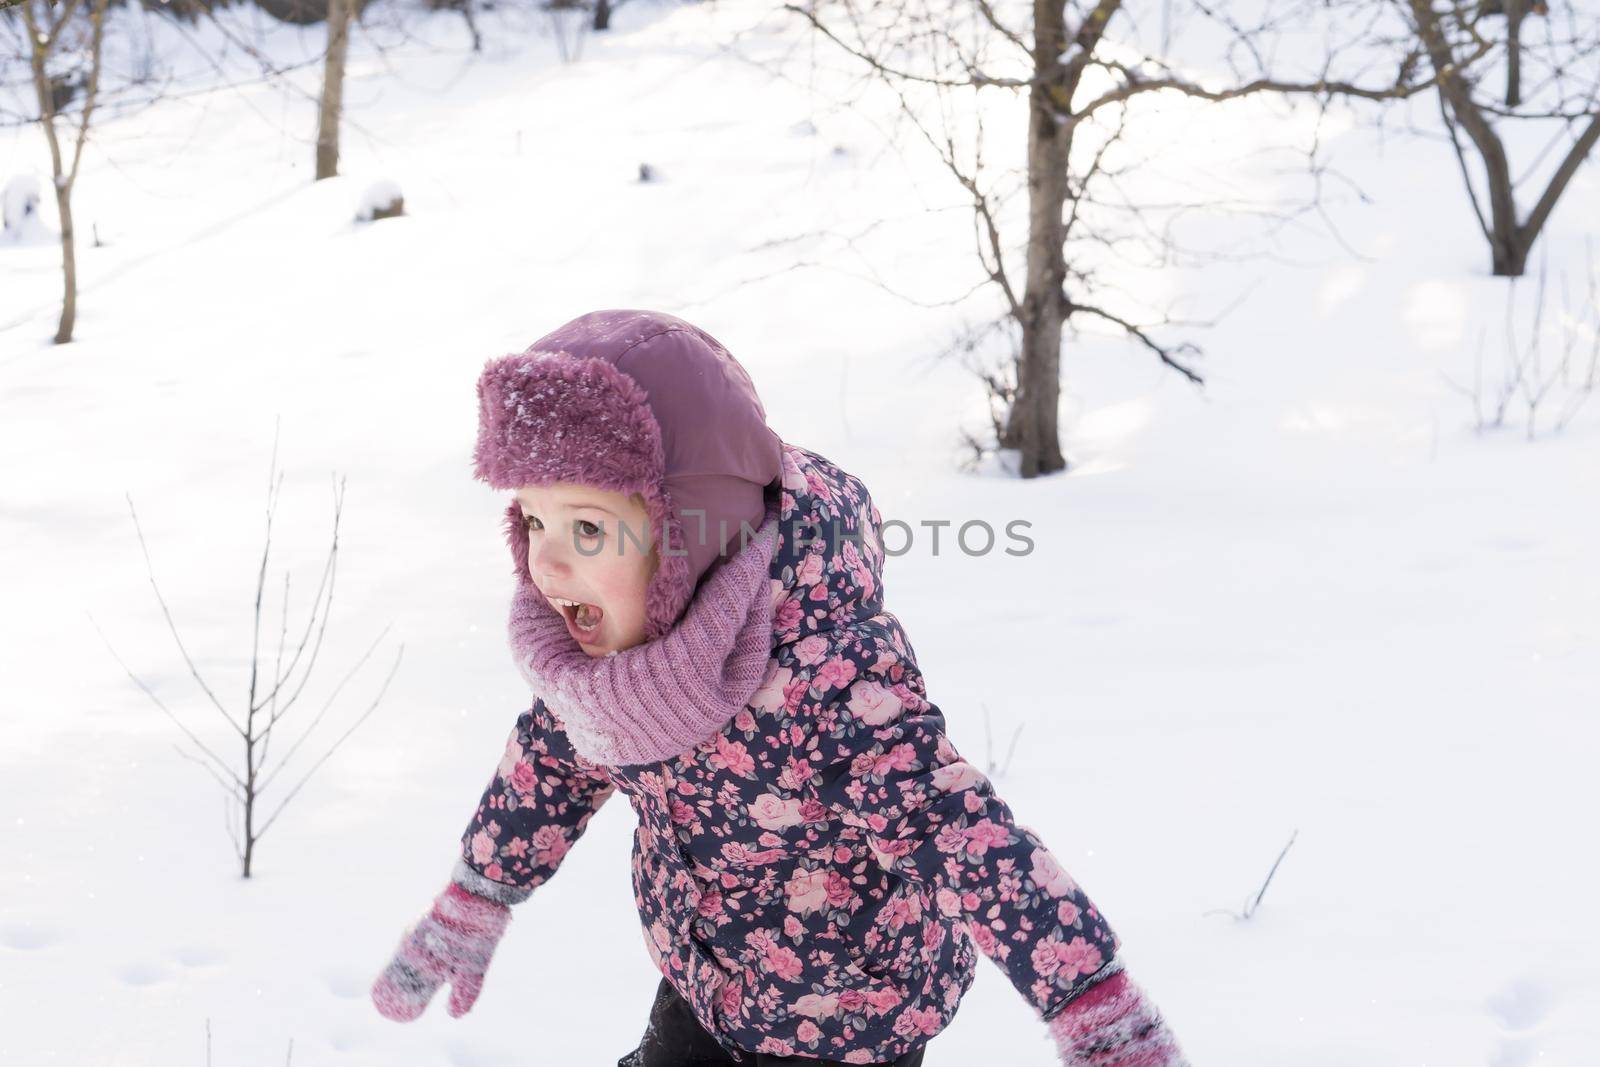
1528,375
1250,907
288,1060
990,768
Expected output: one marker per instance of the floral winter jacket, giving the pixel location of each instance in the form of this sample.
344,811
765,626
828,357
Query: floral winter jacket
814,877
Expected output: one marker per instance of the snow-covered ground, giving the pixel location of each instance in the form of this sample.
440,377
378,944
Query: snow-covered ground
1308,599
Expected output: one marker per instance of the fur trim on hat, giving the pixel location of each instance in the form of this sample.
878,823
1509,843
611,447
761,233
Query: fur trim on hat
546,418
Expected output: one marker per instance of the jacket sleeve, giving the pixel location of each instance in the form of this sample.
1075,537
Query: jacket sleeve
882,763
536,806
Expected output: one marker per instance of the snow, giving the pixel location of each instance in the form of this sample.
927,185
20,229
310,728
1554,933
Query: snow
1311,598
19,208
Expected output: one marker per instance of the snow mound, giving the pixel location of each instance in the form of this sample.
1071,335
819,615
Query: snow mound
382,200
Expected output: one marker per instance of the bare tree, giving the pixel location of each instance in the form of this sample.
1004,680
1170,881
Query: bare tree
65,38
1080,83
340,17
331,106
1565,92
273,690
569,21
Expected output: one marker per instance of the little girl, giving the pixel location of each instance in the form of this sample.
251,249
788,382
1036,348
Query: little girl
699,612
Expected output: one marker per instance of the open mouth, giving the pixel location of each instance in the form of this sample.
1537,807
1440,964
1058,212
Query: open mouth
583,618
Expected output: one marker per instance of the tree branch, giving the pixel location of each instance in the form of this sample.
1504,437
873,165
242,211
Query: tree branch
173,626
201,745
335,747
1162,352
1569,166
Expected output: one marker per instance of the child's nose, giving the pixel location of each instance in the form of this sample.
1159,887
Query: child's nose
551,559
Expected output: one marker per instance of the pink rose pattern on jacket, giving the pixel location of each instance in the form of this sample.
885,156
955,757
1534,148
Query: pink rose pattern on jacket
814,878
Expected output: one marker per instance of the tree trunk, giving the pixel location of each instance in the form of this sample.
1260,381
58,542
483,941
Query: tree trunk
69,265
1509,255
44,90
250,768
339,12
602,14
1515,10
1508,247
1508,241
1032,425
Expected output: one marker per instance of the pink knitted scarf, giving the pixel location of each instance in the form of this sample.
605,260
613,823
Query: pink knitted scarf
661,698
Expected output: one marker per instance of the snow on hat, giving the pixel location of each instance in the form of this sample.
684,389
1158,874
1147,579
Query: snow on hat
634,402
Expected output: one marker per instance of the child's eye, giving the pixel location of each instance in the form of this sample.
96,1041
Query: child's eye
532,523
589,529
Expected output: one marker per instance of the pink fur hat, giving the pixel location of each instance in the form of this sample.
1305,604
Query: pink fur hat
634,402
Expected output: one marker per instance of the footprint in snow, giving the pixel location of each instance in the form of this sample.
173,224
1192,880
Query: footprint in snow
347,983
141,973
467,1056
27,937
1101,619
1512,543
346,1040
199,956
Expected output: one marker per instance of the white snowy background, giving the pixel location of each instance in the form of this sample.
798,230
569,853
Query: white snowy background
1310,598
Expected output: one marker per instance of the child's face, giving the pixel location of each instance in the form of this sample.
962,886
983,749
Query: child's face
577,552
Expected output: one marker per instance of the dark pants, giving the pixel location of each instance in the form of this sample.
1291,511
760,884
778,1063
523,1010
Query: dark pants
675,1038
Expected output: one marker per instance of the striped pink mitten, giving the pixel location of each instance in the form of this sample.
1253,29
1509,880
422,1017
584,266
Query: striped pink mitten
452,943
1114,1025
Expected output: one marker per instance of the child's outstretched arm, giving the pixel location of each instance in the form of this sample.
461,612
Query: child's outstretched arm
882,762
537,804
